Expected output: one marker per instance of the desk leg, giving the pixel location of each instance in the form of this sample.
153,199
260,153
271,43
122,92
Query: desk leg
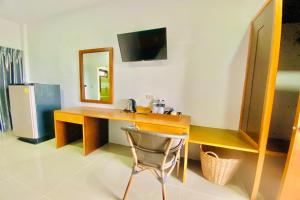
66,133
186,152
95,134
60,134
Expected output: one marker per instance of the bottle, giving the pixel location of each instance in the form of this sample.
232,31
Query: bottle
155,105
161,107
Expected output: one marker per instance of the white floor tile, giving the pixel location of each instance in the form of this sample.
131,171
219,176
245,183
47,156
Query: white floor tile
10,190
43,172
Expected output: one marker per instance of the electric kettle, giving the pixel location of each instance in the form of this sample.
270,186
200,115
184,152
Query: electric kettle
131,106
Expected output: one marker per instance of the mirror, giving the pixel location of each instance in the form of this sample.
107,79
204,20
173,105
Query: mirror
96,75
259,68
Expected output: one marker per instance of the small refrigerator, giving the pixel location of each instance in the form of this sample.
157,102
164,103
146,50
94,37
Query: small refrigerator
32,107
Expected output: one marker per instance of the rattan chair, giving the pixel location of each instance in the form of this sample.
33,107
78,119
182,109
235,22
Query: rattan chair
158,152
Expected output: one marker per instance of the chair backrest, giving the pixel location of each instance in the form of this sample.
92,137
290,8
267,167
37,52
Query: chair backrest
153,141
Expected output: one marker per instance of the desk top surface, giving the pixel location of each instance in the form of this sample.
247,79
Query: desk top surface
224,138
182,121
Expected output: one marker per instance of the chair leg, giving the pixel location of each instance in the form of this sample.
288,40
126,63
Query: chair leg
128,186
163,187
178,166
163,191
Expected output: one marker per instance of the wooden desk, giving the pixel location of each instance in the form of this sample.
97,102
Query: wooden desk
223,138
92,125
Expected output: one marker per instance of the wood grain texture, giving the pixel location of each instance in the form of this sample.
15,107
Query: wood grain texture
182,121
111,77
185,163
60,134
66,117
290,184
95,134
161,128
66,133
263,52
270,90
228,139
249,139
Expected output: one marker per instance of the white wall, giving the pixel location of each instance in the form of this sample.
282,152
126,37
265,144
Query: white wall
10,34
14,35
207,49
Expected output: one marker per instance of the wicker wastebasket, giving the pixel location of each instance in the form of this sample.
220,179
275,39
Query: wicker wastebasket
216,169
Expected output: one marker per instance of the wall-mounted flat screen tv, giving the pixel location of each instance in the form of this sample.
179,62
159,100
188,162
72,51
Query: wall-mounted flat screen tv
143,45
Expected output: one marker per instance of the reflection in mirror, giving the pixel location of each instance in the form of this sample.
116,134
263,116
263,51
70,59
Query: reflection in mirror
96,68
96,75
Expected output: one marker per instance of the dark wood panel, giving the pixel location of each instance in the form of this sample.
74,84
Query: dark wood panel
96,134
66,133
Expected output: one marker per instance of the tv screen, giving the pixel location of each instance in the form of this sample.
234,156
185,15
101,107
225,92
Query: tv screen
143,45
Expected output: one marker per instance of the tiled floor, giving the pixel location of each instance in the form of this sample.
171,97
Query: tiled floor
42,172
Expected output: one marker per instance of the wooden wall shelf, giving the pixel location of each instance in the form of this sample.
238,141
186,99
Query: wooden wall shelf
224,138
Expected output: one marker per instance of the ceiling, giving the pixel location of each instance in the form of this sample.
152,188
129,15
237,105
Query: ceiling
27,11
291,11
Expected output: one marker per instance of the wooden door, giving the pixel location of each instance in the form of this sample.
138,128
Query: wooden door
260,80
261,70
290,185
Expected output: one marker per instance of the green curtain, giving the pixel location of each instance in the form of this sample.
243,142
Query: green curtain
11,72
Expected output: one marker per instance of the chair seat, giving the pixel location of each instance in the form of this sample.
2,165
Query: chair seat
154,159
